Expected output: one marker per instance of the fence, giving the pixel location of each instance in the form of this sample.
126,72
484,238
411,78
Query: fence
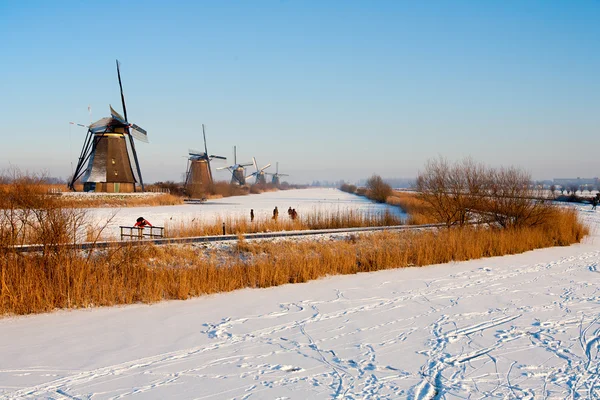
136,233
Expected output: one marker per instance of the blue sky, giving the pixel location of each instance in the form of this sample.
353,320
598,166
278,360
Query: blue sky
330,89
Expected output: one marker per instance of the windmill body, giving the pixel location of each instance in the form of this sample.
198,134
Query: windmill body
238,175
199,174
259,174
275,177
108,160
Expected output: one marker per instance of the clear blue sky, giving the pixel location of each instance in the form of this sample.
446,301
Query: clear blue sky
330,89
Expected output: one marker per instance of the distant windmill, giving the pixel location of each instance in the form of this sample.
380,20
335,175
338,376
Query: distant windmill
237,170
259,173
108,160
198,174
275,177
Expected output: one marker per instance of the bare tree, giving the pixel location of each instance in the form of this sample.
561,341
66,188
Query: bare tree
512,201
378,190
452,190
465,191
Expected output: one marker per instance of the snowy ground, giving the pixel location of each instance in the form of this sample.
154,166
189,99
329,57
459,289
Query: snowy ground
523,326
303,200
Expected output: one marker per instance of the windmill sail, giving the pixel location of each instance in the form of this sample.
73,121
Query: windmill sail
136,176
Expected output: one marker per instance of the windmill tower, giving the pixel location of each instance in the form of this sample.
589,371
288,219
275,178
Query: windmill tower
198,176
237,170
275,177
259,174
108,160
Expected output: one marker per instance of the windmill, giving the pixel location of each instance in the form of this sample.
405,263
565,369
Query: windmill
237,170
275,180
259,173
108,161
198,175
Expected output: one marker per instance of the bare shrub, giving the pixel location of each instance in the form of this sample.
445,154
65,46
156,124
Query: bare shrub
175,188
377,189
226,189
348,188
465,191
451,190
511,201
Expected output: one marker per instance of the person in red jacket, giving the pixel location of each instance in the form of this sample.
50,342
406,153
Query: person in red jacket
141,223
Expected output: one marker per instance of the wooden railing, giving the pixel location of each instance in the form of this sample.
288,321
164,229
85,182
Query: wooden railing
137,233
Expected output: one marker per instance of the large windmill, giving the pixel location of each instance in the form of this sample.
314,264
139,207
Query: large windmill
259,174
275,177
237,170
108,160
198,175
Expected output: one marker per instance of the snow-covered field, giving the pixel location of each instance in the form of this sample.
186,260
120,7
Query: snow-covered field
303,200
522,326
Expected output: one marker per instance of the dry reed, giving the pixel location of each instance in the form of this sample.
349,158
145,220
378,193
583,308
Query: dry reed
418,211
59,278
316,219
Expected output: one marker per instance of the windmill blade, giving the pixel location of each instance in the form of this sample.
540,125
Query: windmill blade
251,175
245,165
282,174
117,116
265,167
204,135
121,87
218,157
139,133
254,162
221,168
193,152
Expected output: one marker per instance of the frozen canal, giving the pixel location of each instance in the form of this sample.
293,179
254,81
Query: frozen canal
303,200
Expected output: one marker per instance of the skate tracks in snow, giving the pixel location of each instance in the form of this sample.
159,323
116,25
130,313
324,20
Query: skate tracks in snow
523,326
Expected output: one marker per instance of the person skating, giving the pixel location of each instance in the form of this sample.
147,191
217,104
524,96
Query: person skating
275,213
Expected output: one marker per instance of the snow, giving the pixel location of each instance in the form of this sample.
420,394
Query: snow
303,200
521,326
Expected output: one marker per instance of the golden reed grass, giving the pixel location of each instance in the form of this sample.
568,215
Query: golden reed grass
417,210
59,278
94,200
315,219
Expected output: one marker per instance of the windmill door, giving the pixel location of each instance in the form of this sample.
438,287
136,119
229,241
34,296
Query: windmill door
117,187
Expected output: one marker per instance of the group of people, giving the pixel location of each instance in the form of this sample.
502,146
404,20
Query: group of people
291,213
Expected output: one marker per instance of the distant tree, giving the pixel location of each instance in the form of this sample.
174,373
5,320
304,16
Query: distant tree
572,188
378,190
552,189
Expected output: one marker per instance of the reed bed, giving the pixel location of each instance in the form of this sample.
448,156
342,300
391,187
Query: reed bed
315,219
85,200
418,211
58,278
115,200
